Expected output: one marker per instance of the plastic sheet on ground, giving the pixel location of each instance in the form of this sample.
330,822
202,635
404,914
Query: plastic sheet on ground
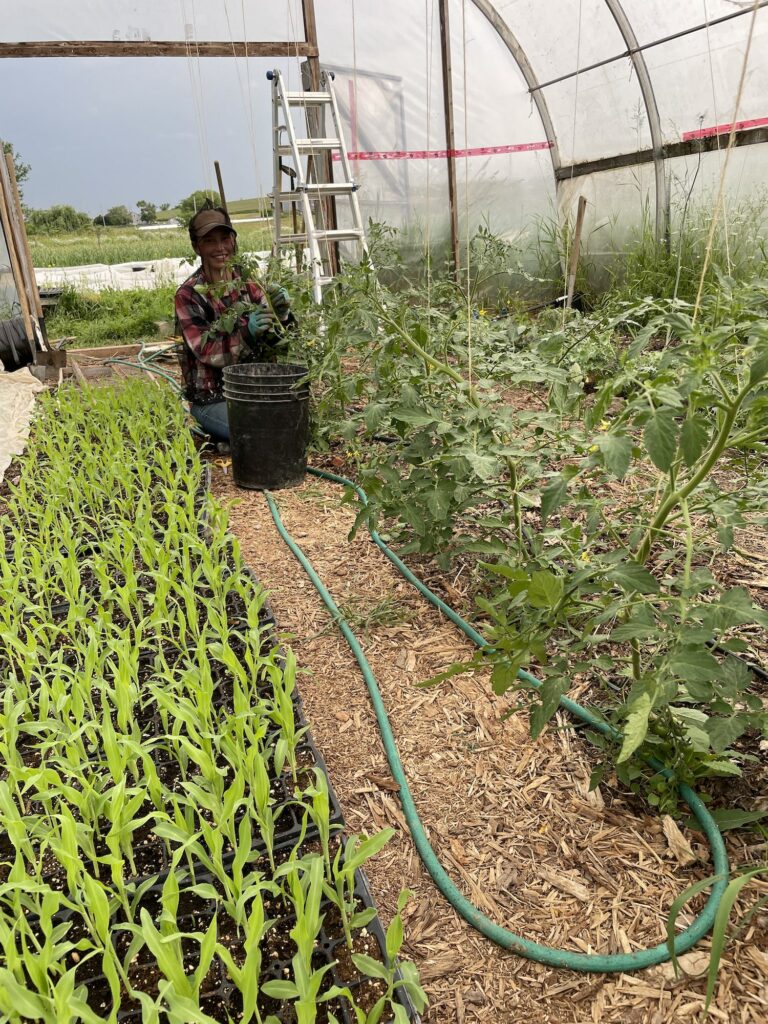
97,277
17,401
120,276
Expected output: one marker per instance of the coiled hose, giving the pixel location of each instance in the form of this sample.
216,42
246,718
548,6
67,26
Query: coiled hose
592,962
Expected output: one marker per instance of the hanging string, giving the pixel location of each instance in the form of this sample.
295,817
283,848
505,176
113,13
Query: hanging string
201,93
717,137
467,246
198,115
723,173
244,91
429,14
568,240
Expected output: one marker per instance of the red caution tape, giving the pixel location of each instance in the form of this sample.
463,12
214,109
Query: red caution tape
436,154
724,129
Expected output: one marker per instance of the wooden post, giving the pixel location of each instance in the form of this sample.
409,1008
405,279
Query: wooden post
450,136
575,246
19,282
325,162
33,294
221,186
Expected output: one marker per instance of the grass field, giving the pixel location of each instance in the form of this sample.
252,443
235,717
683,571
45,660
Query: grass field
111,317
123,245
254,207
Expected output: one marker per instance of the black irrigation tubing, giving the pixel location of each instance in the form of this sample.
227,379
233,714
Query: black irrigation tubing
597,963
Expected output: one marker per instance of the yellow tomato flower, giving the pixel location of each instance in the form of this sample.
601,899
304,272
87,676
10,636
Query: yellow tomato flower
605,424
594,448
584,557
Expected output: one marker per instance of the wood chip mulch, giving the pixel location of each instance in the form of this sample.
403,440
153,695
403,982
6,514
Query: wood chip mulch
512,820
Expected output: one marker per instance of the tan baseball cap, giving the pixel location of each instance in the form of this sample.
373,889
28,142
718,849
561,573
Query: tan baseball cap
208,220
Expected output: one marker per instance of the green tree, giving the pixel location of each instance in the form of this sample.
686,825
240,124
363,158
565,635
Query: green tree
22,170
115,217
187,208
56,220
147,212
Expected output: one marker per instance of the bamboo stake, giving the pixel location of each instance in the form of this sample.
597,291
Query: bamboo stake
221,186
575,246
81,378
16,270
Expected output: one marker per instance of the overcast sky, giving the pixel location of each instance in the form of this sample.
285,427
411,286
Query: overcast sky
103,132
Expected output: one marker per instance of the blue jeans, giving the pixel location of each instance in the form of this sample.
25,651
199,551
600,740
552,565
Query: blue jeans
213,419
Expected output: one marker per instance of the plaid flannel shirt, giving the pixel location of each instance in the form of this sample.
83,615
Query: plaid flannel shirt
205,353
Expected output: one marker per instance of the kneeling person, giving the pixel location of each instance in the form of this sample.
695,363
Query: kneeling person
206,351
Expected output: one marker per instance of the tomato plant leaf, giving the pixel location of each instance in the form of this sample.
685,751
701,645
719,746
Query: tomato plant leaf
660,436
545,589
552,497
636,725
694,664
727,818
633,578
551,691
759,368
617,453
724,731
693,439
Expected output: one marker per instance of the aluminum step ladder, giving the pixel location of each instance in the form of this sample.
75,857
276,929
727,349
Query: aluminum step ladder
310,194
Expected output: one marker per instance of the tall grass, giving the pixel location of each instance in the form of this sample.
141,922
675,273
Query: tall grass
110,316
125,245
672,268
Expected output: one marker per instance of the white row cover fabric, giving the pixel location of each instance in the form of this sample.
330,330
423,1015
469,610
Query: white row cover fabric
17,402
97,277
514,125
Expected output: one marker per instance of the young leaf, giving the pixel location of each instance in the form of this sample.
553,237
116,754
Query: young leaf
369,967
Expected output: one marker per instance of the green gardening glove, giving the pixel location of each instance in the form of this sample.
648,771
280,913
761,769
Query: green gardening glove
280,300
260,322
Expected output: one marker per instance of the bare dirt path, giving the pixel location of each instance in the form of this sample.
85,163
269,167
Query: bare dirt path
511,820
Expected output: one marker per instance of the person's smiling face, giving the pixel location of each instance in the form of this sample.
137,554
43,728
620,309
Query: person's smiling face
214,249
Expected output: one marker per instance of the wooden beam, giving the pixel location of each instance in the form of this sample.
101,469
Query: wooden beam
450,135
690,147
156,48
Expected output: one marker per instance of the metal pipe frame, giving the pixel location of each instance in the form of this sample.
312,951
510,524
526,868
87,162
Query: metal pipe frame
648,46
489,12
652,110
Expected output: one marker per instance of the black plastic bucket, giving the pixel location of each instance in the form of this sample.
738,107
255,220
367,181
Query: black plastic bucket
268,411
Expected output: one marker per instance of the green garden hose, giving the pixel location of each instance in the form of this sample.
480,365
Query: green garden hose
598,963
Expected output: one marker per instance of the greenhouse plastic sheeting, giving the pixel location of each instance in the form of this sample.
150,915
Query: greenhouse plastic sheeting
17,402
542,89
